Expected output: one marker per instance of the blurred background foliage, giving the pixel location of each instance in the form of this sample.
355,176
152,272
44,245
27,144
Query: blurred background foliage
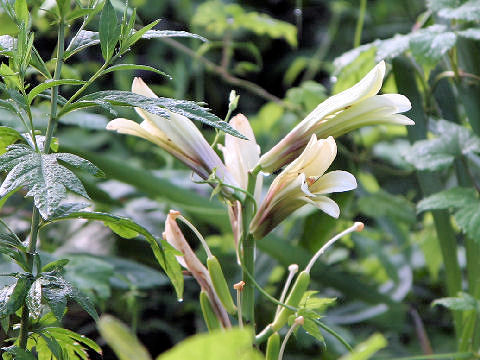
282,58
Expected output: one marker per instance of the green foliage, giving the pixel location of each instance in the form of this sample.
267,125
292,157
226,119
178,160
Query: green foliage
453,142
429,45
367,349
464,301
219,18
464,202
109,33
45,179
121,339
231,344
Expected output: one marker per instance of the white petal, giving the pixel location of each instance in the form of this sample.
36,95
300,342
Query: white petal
325,204
365,88
125,126
334,181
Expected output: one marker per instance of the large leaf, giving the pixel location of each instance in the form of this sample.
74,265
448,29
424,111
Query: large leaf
128,228
156,106
122,67
439,153
12,296
7,137
57,291
49,84
45,179
123,342
218,345
109,30
429,45
464,202
469,10
82,40
384,204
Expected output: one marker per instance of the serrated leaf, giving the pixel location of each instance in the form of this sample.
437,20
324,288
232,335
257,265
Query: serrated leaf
109,30
56,291
62,333
452,198
469,11
156,106
122,67
463,302
312,329
45,179
34,299
12,296
158,34
430,44
18,353
82,40
49,84
468,219
123,342
439,153
471,33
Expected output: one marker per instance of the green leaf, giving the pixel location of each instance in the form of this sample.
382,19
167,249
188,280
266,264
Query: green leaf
125,226
82,40
34,299
135,36
218,18
465,203
68,338
123,342
469,11
430,44
155,106
21,10
56,265
354,71
53,346
45,179
49,84
471,33
109,30
436,5
366,349
463,302
12,296
217,345
18,353
452,198
56,291
382,204
439,153
7,137
158,34
121,67
312,329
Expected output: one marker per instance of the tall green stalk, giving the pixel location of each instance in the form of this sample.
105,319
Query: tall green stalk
359,28
32,245
429,182
248,209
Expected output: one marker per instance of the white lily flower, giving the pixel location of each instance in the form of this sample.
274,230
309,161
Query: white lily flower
176,135
353,108
303,182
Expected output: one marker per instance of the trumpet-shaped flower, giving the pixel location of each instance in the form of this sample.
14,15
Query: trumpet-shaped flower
176,135
353,108
303,182
174,236
240,157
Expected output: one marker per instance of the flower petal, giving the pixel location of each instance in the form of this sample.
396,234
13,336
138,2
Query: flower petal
334,181
325,204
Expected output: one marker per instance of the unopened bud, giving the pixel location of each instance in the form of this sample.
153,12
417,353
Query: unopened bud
299,321
359,226
233,100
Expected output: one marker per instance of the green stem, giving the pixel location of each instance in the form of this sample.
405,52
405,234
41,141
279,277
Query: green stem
248,294
58,69
24,328
361,19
